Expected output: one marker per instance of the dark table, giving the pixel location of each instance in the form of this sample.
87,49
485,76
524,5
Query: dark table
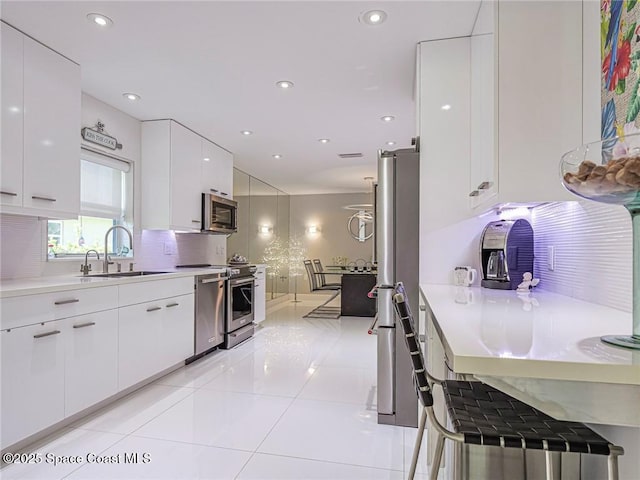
353,296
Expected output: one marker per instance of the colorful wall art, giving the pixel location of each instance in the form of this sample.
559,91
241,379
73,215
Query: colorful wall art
620,53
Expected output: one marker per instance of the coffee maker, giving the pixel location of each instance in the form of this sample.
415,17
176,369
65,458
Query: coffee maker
506,252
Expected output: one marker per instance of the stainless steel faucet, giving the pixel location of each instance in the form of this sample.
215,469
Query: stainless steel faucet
105,267
86,268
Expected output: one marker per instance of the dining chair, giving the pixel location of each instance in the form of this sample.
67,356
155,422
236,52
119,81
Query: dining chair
322,310
321,275
483,415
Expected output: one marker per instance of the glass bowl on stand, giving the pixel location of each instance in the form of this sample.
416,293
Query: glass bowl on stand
608,171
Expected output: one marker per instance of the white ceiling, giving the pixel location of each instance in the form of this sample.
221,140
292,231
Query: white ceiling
213,66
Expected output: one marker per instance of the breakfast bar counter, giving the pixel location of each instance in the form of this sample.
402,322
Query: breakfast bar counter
542,348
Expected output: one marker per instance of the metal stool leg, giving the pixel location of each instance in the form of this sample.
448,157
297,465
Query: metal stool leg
612,461
416,448
437,457
548,460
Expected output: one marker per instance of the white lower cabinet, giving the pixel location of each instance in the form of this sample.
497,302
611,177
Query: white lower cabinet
91,359
153,336
32,380
63,352
260,301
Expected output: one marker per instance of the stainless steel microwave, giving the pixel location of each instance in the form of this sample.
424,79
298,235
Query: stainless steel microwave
219,215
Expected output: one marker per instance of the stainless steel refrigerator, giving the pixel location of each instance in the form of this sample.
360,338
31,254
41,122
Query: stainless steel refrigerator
397,243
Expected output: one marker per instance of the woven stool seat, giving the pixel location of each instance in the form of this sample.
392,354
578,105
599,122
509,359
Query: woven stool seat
487,416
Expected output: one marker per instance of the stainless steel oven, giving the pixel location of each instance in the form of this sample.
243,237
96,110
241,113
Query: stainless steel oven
239,324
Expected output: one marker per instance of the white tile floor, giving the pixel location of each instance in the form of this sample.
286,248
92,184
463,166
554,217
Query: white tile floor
295,402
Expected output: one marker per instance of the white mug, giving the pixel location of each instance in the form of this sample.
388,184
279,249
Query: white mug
464,276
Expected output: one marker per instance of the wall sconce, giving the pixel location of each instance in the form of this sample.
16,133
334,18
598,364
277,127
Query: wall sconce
264,229
312,229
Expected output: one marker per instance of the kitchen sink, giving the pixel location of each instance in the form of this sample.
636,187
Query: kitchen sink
125,274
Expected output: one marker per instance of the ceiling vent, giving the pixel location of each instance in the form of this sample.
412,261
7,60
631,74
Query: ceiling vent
350,155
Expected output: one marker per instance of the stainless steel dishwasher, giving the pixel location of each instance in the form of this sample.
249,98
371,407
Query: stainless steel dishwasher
210,312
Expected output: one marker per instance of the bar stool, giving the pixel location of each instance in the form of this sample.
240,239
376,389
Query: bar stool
482,415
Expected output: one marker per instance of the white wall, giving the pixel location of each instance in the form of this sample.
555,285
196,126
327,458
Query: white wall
332,239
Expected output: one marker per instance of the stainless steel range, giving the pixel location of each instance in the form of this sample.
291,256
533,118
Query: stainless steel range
239,324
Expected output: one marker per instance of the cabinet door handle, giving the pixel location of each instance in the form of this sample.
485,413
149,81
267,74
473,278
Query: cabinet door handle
423,308
213,190
224,193
475,193
173,305
82,325
485,185
37,197
11,194
65,302
40,335
195,221
153,309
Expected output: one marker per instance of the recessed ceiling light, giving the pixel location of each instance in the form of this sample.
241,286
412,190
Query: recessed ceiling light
246,132
277,156
388,118
445,107
284,84
100,19
323,140
131,96
373,17
206,159
391,144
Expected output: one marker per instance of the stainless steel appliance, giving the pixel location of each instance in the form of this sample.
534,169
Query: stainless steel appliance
219,215
506,252
397,229
210,311
239,324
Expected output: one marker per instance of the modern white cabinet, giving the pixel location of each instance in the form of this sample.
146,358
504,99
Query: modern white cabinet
260,300
540,96
483,166
176,174
11,139
156,331
59,355
496,115
91,359
217,170
445,86
42,155
32,380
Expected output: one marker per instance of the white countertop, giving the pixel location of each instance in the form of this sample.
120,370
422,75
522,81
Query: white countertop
541,335
32,286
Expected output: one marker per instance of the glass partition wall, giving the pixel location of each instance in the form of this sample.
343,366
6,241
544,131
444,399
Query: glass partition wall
263,229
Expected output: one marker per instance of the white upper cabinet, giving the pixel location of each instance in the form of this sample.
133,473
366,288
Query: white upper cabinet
496,115
483,173
12,117
540,96
40,129
217,170
444,131
175,175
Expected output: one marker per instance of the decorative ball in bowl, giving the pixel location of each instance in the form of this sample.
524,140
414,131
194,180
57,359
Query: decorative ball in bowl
607,171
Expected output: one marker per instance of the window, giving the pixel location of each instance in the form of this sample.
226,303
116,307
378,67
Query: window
106,199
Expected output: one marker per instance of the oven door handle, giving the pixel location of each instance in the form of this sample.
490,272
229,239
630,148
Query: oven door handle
211,280
241,281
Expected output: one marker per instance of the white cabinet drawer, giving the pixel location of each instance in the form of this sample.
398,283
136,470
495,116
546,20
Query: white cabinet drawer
131,294
31,309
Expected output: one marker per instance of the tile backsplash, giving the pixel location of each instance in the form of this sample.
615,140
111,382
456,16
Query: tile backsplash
593,251
22,252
